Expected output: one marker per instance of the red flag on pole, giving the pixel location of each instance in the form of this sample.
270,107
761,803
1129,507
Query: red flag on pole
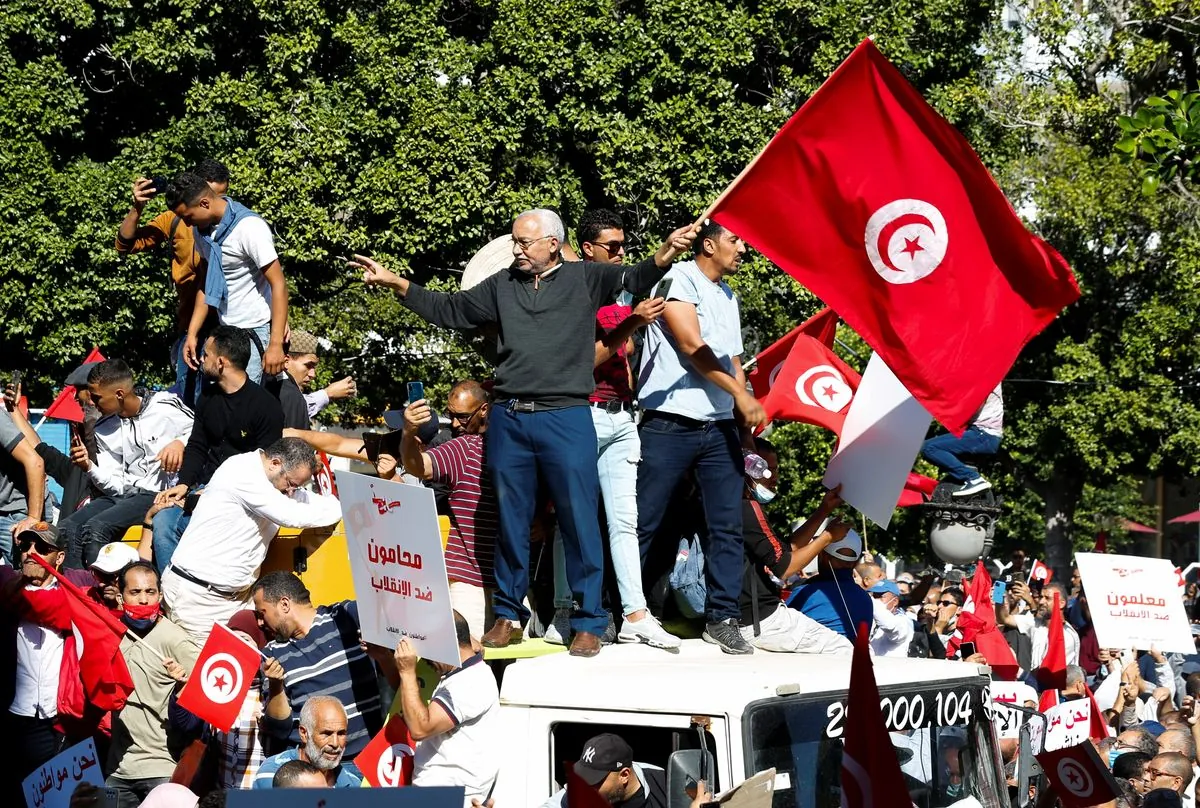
1040,572
873,201
106,680
387,761
977,624
65,407
1052,673
218,684
822,327
1078,776
871,775
1101,545
814,386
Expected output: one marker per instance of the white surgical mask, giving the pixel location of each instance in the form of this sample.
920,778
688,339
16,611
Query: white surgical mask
761,493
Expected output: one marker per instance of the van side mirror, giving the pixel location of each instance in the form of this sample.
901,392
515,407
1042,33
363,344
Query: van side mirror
684,770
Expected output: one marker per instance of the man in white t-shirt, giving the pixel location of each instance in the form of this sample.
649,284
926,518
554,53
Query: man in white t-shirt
249,291
459,731
1036,626
982,437
694,399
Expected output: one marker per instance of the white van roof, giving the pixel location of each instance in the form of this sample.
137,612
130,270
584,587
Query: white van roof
700,678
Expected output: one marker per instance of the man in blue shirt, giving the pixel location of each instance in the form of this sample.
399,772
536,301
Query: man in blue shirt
833,598
322,744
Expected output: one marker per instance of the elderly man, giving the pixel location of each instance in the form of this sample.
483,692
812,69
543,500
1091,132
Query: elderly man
248,499
541,426
459,731
459,463
693,392
1169,770
322,745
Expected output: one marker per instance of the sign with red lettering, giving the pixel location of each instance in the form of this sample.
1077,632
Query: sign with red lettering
1135,602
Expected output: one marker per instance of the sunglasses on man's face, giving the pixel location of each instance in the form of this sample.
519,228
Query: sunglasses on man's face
612,247
40,546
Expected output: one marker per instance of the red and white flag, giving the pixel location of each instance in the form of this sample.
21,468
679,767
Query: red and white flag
387,761
1052,672
1078,776
222,677
822,327
65,407
1040,572
97,638
977,623
814,386
873,201
871,776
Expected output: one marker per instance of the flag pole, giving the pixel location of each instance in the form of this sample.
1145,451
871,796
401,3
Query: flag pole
729,188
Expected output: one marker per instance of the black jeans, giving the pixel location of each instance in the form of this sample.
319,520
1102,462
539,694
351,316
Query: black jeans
672,447
101,521
32,742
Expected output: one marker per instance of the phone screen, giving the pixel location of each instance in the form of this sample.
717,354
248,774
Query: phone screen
416,391
966,649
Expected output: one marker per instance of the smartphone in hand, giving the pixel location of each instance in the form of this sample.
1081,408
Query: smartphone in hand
416,391
663,288
966,649
999,590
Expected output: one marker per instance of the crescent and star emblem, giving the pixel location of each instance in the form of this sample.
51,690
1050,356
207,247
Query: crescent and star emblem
906,240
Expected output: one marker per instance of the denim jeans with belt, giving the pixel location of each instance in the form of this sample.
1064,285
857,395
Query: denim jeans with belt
673,446
618,451
943,451
556,447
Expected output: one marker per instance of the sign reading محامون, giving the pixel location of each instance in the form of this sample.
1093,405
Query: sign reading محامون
1135,602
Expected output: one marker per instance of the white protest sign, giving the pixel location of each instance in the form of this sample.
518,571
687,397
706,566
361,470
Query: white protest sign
884,429
1068,724
398,566
51,785
1008,722
1135,602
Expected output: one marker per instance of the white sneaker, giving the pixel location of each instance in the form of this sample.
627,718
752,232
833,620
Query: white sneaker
649,631
559,629
971,487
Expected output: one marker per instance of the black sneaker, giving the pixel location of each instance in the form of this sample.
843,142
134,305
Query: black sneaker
728,635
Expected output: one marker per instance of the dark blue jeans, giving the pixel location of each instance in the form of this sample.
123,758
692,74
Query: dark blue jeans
670,449
169,524
557,447
945,451
100,522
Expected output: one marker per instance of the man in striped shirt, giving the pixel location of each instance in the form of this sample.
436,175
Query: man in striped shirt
315,652
460,463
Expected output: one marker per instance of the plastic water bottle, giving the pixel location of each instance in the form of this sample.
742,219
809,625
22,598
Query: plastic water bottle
756,467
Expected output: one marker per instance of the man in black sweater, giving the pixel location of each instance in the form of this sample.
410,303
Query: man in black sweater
540,426
234,416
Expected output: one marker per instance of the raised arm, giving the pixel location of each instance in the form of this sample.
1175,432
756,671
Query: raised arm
641,278
463,310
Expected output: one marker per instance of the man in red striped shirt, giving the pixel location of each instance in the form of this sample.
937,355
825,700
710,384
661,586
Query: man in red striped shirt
460,464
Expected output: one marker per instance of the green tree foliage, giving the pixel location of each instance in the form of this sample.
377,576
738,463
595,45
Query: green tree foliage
1164,135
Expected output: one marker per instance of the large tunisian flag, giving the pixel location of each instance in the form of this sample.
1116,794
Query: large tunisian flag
874,202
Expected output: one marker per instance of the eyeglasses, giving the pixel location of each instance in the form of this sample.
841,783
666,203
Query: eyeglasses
42,548
613,247
526,243
1152,774
463,417
946,603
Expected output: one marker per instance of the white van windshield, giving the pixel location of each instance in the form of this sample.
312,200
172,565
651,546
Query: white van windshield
930,726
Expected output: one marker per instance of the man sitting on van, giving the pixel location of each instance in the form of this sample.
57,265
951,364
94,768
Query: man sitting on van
832,597
607,765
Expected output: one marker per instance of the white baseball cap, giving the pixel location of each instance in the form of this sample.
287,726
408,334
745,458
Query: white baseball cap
847,548
115,557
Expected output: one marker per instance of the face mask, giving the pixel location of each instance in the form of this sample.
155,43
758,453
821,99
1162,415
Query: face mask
141,618
761,493
1113,754
954,790
625,298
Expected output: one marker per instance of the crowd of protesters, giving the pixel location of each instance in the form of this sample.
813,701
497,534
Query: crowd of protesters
619,389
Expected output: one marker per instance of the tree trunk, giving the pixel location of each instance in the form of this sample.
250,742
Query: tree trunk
1061,496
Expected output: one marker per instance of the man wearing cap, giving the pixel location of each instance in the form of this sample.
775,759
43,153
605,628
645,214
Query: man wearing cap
832,597
893,627
607,765
111,559
298,373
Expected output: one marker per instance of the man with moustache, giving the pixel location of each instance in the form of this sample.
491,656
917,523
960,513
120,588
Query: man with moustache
322,745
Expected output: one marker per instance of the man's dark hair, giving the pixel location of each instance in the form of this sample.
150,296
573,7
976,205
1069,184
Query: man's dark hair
462,630
1063,594
709,230
211,171
1130,765
1145,742
213,799
593,222
294,453
111,371
956,593
144,566
1192,683
289,774
275,586
186,189
232,343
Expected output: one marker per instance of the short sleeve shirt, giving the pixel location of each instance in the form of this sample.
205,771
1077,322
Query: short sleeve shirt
245,252
13,486
667,381
470,548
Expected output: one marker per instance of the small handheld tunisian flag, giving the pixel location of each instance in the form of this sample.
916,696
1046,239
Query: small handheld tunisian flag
822,327
871,775
106,680
222,677
873,201
1078,776
977,624
65,407
387,761
814,386
1052,673
1040,572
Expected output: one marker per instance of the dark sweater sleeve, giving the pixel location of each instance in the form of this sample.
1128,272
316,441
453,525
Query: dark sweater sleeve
195,454
641,277
58,465
461,310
